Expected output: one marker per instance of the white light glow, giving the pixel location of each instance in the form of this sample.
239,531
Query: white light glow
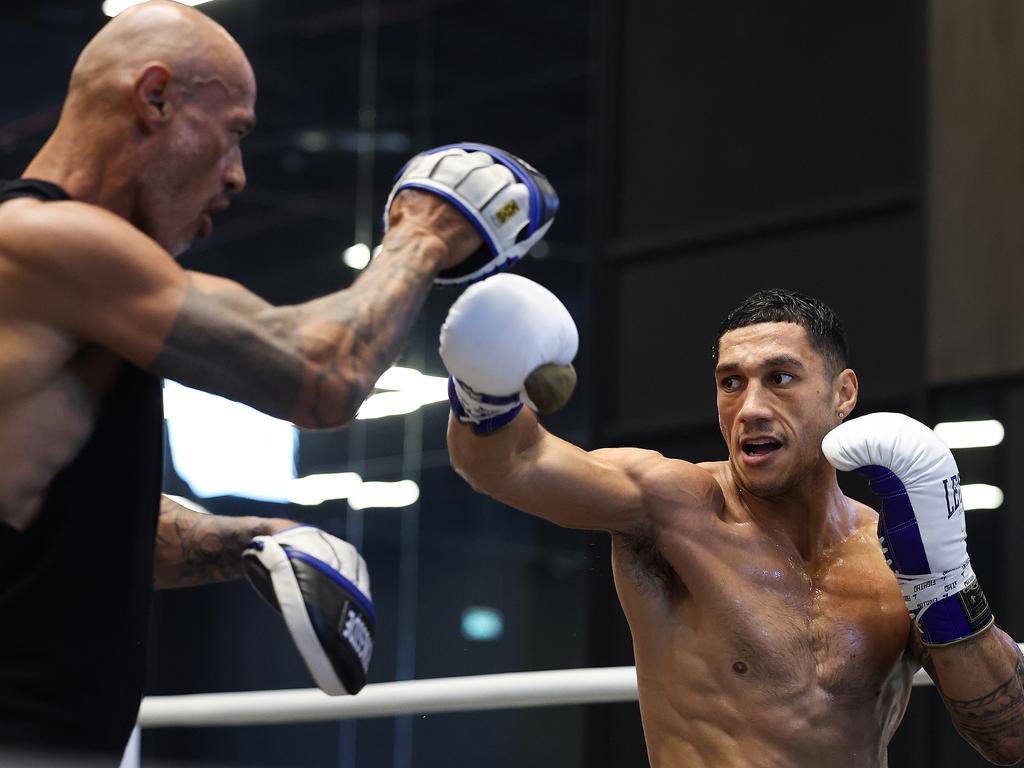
971,434
224,448
408,389
401,493
981,496
114,7
356,256
313,490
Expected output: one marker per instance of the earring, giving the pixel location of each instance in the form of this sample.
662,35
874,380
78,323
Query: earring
842,415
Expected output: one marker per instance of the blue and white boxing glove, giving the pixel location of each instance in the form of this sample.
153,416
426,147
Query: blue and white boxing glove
921,526
506,341
320,586
511,204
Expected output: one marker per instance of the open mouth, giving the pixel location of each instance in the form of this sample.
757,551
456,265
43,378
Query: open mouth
762,446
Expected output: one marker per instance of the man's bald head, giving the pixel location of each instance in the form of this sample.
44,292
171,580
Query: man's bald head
158,104
195,50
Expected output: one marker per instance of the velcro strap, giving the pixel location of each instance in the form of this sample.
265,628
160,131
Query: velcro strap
921,590
947,607
486,413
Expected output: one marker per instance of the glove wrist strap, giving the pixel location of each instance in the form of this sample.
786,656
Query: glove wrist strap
486,413
947,607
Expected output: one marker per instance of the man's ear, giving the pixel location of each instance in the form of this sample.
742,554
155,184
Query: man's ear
150,96
846,388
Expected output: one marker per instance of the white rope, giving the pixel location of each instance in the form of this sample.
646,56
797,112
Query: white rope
445,694
514,690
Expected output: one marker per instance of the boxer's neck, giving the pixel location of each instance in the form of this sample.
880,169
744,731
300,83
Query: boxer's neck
814,515
92,163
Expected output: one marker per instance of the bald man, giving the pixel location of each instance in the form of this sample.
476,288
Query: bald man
94,310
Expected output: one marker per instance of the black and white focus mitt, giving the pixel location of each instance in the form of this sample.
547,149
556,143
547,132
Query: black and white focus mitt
511,204
320,586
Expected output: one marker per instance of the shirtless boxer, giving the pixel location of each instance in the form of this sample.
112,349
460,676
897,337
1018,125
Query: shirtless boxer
94,310
767,627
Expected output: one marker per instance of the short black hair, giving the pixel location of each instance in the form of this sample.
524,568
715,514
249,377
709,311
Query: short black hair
825,332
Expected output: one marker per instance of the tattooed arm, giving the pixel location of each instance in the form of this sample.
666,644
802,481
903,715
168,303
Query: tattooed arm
982,684
87,272
196,547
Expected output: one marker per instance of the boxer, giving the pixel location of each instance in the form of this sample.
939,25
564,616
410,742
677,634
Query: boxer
768,627
94,310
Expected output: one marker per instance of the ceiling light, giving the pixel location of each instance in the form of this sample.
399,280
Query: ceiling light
402,493
407,390
114,7
981,496
971,434
313,490
357,256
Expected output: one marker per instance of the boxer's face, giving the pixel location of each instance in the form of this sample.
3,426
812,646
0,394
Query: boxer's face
198,163
776,401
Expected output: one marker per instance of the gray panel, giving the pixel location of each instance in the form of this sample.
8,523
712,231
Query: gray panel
975,191
668,313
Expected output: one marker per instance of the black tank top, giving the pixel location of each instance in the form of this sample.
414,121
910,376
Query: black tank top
75,586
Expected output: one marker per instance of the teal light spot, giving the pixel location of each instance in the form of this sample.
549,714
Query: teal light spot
481,623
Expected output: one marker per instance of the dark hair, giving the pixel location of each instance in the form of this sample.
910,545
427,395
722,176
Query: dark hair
778,305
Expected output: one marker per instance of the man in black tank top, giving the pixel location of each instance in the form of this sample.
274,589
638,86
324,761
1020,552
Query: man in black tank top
94,311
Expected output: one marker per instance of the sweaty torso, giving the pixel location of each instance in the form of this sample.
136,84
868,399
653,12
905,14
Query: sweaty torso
747,656
50,389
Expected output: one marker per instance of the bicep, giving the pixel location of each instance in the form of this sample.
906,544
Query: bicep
525,466
574,488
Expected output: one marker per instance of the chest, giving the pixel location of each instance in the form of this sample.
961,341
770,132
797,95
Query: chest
839,629
32,355
49,408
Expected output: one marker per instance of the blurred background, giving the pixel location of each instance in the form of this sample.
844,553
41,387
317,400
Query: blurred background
868,154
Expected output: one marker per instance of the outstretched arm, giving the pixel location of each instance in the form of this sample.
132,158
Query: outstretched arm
525,466
195,547
982,684
499,337
87,272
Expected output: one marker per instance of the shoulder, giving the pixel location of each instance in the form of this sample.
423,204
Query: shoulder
58,232
52,250
867,518
664,481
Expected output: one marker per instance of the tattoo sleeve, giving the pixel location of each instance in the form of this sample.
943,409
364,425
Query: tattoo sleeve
993,720
312,363
199,548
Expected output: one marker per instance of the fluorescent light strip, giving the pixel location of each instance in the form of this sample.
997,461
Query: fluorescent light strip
407,390
981,496
114,7
971,434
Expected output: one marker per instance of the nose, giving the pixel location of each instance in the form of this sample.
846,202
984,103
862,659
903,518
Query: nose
756,406
234,175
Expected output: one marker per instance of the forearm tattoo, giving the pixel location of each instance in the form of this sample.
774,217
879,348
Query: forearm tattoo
994,721
196,548
312,363
365,327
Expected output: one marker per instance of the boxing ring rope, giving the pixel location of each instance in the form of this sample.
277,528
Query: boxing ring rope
513,690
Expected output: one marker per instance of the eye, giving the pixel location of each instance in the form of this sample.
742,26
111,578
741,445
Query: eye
731,383
781,379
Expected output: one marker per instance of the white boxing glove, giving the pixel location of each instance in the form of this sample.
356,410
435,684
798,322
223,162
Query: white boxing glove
921,526
497,333
511,204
